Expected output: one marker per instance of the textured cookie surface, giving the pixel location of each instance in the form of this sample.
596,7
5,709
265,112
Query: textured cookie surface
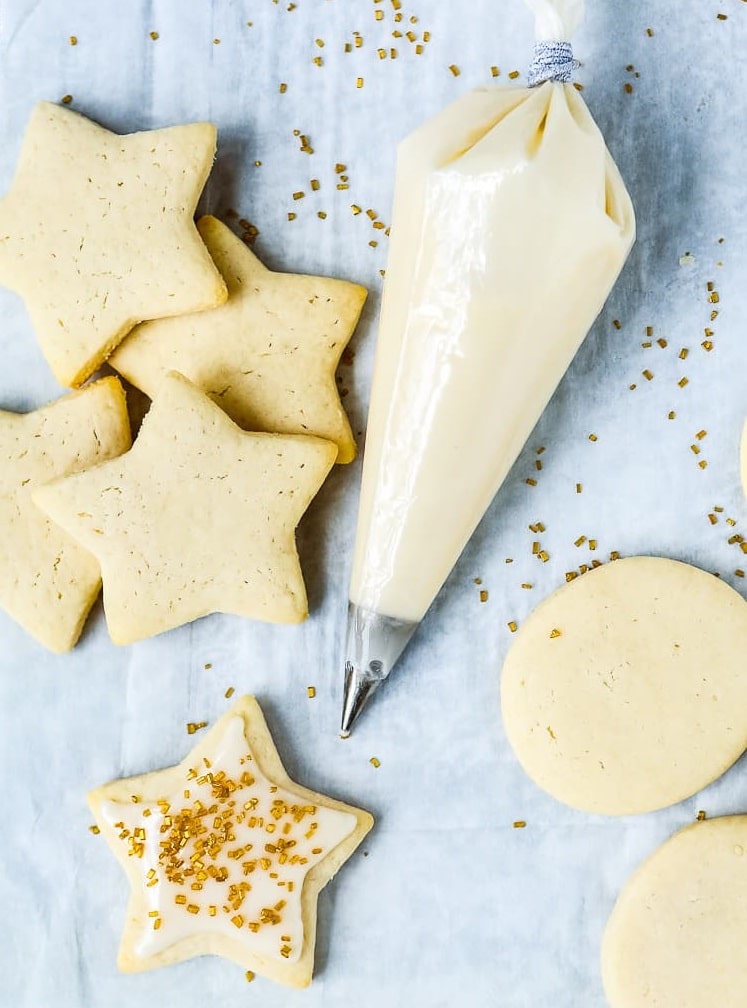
676,936
225,854
48,582
268,356
97,233
625,691
198,517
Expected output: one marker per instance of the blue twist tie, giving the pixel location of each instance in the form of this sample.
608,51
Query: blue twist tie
552,61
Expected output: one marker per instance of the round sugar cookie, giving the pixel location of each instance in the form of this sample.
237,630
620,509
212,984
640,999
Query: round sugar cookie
676,936
626,690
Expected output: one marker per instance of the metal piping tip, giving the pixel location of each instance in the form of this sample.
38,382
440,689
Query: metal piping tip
374,643
359,687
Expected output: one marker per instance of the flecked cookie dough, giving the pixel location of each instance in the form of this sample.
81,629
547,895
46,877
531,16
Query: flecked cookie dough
225,854
48,582
198,517
625,691
97,233
268,356
675,938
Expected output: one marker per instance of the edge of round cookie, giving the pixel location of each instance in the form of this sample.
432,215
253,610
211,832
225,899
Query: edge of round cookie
657,916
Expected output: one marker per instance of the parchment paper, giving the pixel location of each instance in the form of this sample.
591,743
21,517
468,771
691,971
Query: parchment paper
450,905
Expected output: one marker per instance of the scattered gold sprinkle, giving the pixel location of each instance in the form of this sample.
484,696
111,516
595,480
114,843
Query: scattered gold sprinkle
229,693
579,488
512,626
94,829
454,69
495,72
526,585
291,216
519,824
650,32
683,381
671,415
154,35
593,437
555,632
683,353
531,482
703,464
513,75
311,692
701,815
628,87
73,40
359,82
648,375
712,519
299,195
483,596
195,726
249,976
617,323
283,88
67,99
580,541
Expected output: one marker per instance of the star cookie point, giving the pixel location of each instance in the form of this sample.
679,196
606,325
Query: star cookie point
268,356
225,854
48,582
97,233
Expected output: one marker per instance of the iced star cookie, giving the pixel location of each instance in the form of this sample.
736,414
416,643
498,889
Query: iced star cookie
675,938
198,517
225,854
625,690
48,582
97,233
268,356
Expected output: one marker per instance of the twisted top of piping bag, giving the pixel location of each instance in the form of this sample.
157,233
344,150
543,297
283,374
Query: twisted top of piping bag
555,22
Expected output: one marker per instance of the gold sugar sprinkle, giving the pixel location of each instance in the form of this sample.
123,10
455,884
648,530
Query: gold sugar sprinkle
73,40
701,815
154,35
579,488
495,72
454,69
229,693
67,99
249,976
519,824
648,375
283,88
683,381
483,596
593,437
683,353
671,415
514,74
311,692
512,626
555,633
94,829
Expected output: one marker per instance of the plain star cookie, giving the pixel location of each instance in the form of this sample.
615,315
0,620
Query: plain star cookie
48,582
268,356
198,517
676,936
97,233
225,854
625,690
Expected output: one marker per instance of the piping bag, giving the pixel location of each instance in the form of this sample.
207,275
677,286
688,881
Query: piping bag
510,226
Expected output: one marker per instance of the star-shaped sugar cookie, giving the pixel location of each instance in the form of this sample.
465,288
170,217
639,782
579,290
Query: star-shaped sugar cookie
198,517
97,233
48,582
268,356
226,855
